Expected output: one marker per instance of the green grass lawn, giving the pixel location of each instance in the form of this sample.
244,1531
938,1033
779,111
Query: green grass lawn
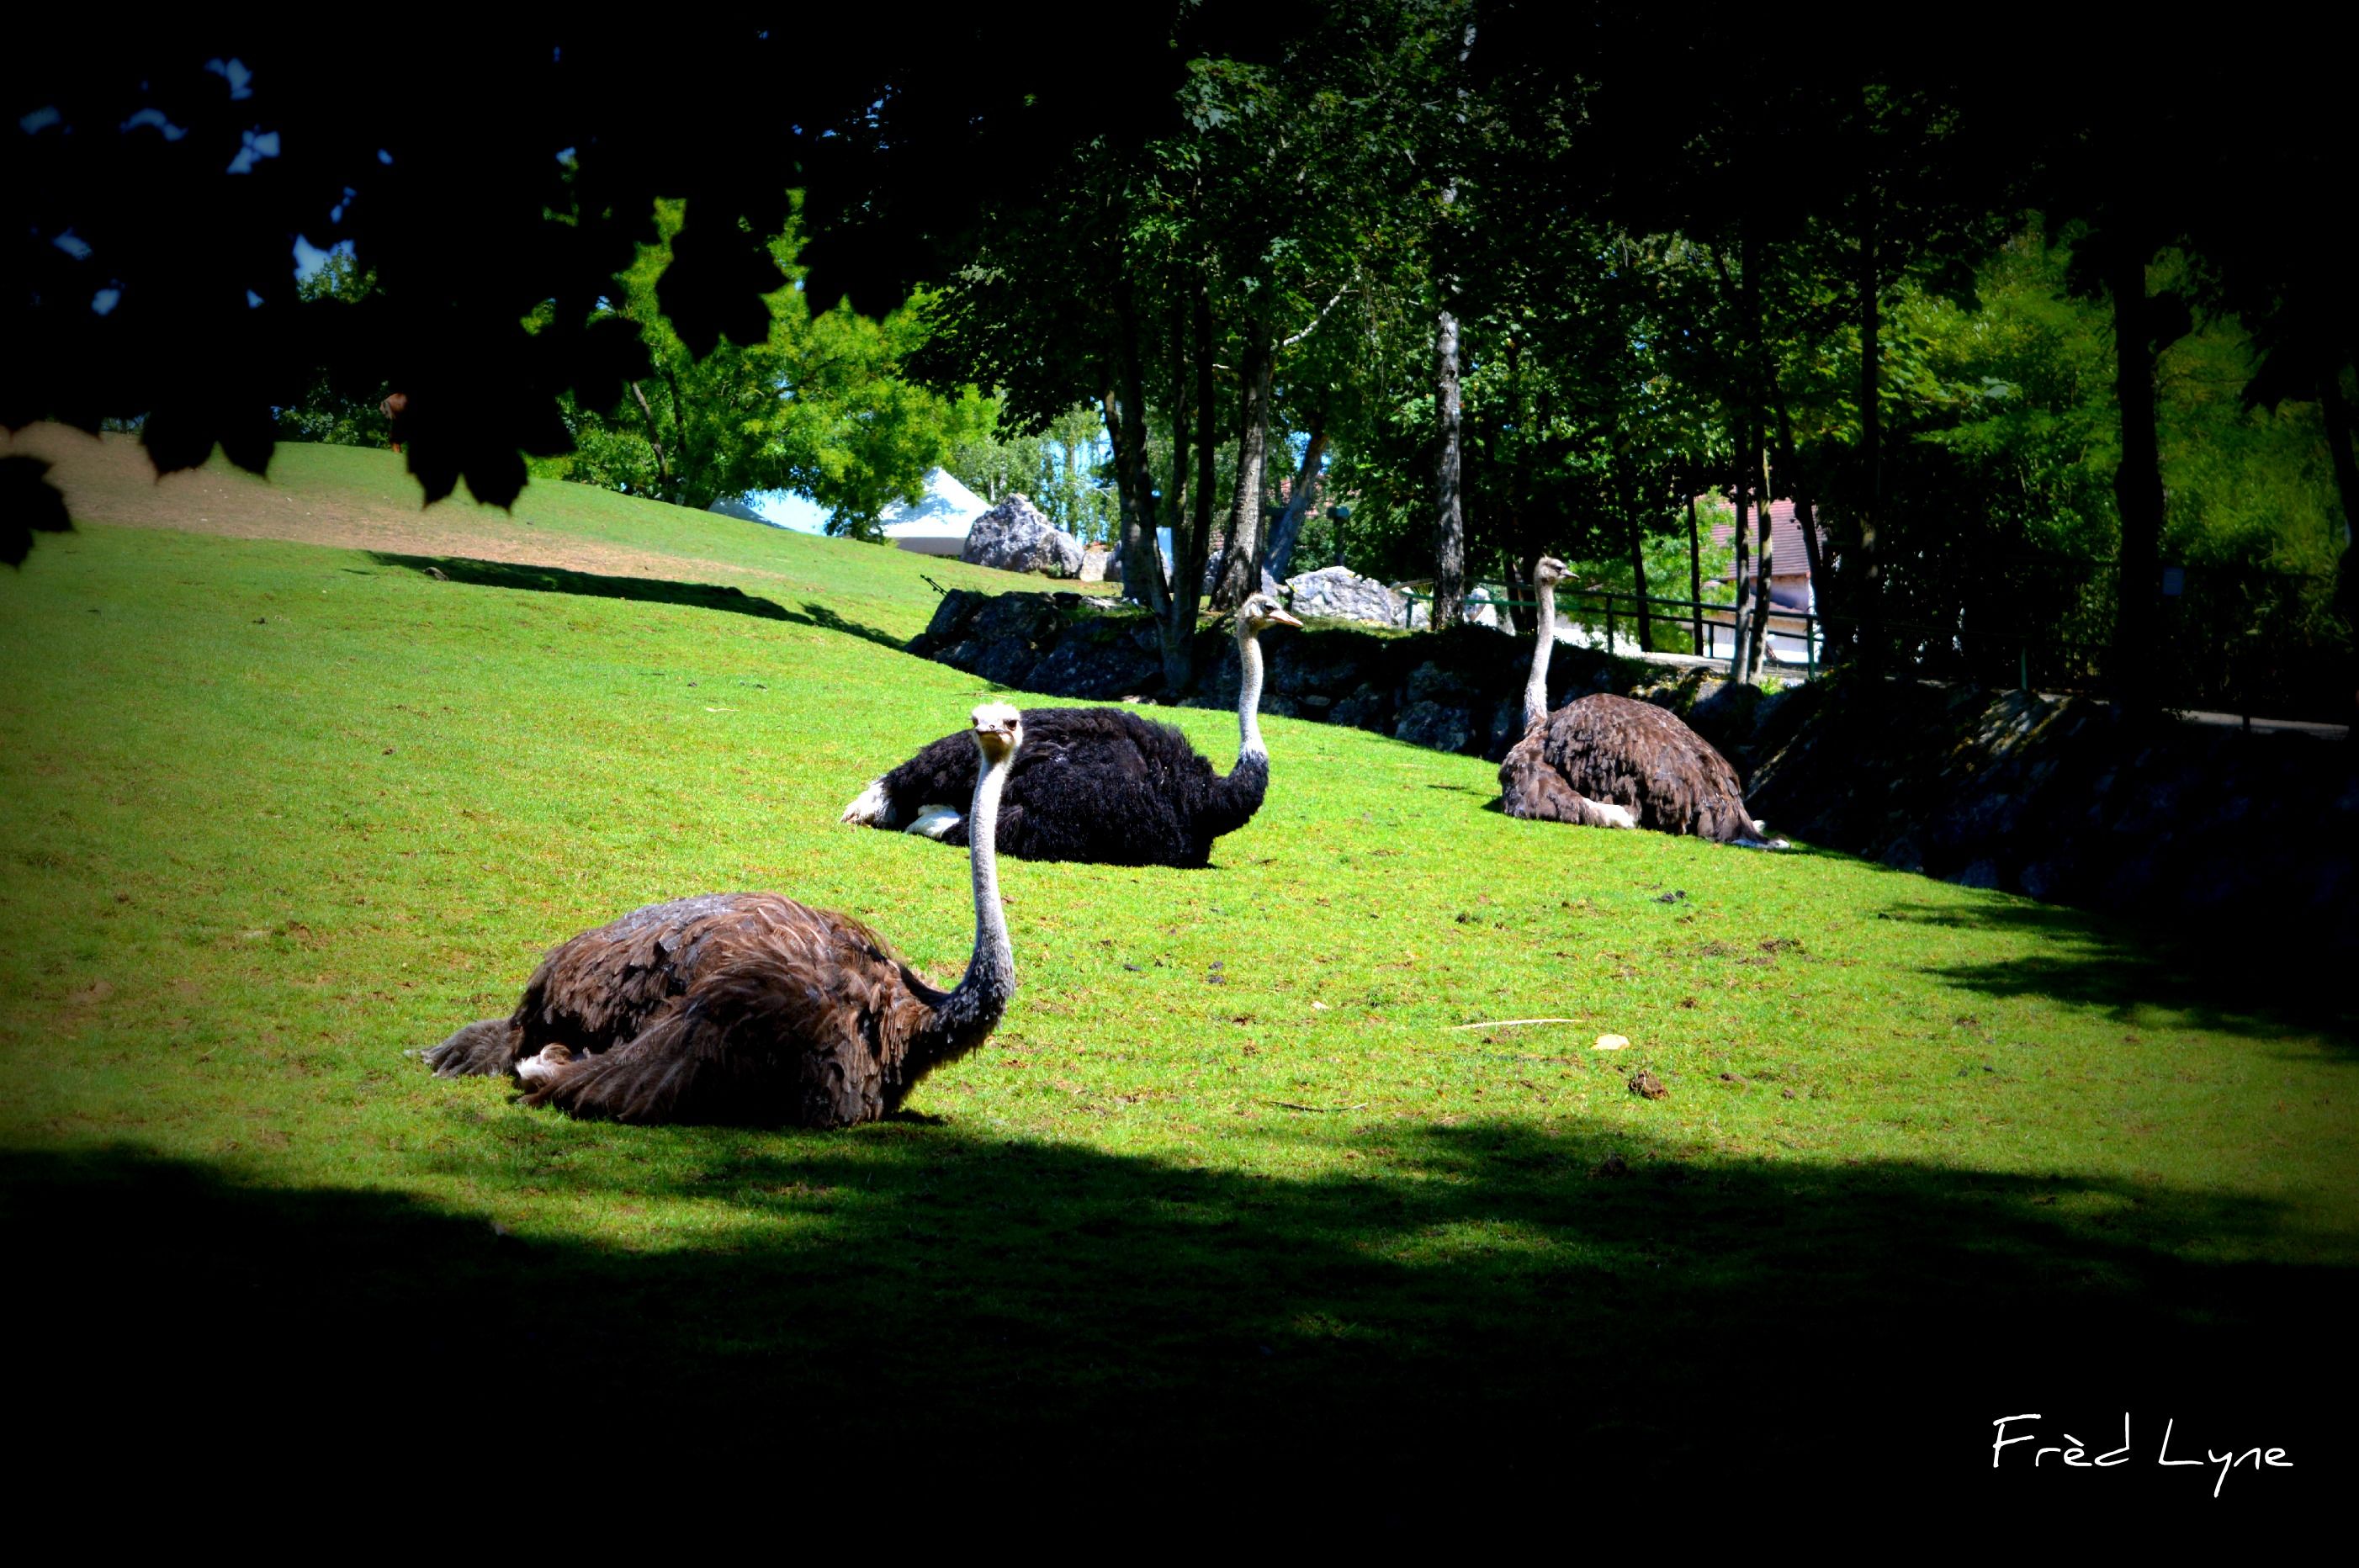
1229,1180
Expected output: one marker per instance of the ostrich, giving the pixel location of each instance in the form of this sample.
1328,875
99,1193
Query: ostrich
1609,762
750,1007
394,408
1096,784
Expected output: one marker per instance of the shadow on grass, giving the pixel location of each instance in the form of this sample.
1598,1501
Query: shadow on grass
644,590
1485,1308
2233,982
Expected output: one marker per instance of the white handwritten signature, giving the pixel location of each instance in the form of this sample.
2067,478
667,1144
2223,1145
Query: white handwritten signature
2075,1454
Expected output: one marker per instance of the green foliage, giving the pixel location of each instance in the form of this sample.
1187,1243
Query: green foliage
1066,468
1666,578
820,406
2004,524
323,413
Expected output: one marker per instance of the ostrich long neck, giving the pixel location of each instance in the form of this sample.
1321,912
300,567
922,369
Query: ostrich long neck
1536,689
1249,743
970,1012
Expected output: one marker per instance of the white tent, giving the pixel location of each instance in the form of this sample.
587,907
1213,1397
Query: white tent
938,523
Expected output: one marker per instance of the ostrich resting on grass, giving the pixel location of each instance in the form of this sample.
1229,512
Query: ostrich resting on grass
749,1008
1609,762
1096,784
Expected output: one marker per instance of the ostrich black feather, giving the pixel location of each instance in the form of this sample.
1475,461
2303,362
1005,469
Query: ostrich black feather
1101,785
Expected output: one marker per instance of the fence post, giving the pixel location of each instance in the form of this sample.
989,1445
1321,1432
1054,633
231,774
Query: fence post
1609,622
1810,646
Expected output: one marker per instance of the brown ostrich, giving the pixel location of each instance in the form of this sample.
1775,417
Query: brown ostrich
1610,762
395,405
750,1007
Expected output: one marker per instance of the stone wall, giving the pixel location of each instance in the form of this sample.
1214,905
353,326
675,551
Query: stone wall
2226,832
1460,692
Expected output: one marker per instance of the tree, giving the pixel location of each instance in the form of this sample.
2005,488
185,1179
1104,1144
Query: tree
161,174
319,412
817,405
1064,469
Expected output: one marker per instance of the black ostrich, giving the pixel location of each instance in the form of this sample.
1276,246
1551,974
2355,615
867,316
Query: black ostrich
1095,784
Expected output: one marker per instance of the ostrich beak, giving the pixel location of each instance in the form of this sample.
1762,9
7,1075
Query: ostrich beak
1280,618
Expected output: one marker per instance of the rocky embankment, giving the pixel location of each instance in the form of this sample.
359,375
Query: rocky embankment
2058,798
2224,831
1461,691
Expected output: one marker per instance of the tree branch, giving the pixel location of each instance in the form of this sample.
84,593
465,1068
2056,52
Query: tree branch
1289,342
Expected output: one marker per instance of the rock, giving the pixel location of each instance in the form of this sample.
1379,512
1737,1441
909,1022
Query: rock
1444,727
943,629
1507,726
1364,709
1015,537
1646,1085
1086,665
1096,561
1612,1042
1428,682
1339,593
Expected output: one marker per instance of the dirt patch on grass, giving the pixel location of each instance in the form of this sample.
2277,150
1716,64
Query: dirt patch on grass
107,479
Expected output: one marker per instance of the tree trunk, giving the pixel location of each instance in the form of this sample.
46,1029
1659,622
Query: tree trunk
1178,659
1631,511
1450,529
1300,503
655,439
2337,415
1241,566
1142,566
1182,403
682,467
1199,532
1695,566
1739,615
2138,481
1805,516
1765,558
1867,620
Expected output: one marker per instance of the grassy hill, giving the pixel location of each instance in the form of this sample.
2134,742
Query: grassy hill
1234,1181
365,498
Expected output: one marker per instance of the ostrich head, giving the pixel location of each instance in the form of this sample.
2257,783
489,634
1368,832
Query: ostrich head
998,730
1549,572
1260,610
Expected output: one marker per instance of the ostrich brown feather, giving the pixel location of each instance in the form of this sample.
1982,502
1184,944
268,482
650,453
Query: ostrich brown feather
750,1007
1613,749
732,1008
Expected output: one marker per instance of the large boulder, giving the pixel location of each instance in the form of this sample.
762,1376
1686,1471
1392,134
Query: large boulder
1097,559
1339,593
1015,537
